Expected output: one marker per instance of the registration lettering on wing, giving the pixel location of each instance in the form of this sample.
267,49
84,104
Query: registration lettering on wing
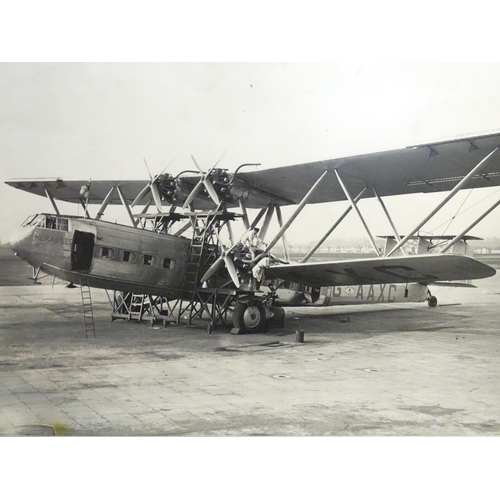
367,293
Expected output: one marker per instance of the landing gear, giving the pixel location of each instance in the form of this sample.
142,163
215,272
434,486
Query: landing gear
249,318
432,301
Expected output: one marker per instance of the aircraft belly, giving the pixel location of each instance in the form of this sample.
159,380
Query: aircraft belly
112,283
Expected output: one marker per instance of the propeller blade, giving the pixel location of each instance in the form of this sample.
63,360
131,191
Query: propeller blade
211,191
213,269
156,197
197,166
149,200
146,163
217,162
140,196
193,194
230,231
169,163
151,186
232,270
238,242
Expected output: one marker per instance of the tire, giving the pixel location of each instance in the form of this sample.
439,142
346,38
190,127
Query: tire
432,301
249,318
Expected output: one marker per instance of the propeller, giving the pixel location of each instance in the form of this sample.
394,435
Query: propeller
152,187
224,258
204,182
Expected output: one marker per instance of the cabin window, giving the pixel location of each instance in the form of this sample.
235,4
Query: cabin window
148,260
127,256
168,263
106,253
61,224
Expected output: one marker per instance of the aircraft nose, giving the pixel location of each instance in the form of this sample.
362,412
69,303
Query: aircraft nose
20,241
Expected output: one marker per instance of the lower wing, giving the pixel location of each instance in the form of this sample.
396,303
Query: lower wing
425,269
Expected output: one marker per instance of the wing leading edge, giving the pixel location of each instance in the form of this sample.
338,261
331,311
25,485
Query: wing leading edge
424,269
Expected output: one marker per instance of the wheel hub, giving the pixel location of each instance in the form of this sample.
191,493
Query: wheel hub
251,316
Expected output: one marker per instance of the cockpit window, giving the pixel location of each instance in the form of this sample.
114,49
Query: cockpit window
33,220
47,222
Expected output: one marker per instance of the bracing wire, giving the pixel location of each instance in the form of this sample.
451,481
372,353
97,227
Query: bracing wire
449,221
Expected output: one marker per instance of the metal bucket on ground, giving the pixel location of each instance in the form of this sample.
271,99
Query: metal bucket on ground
299,336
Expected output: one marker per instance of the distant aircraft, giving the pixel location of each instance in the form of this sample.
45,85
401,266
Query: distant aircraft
189,258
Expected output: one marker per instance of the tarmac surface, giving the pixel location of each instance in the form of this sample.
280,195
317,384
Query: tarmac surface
383,370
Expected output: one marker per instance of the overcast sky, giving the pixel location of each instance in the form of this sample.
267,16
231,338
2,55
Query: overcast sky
79,121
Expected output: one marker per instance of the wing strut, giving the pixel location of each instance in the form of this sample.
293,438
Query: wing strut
245,215
267,221
481,165
283,238
382,204
126,205
330,231
299,208
104,204
51,198
257,218
355,207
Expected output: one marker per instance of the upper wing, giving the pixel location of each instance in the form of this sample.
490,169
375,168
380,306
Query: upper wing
70,190
423,269
425,168
418,169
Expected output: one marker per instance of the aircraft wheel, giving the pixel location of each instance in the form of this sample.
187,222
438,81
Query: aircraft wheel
432,301
249,318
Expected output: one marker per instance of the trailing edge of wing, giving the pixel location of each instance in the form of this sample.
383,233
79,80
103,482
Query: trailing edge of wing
425,269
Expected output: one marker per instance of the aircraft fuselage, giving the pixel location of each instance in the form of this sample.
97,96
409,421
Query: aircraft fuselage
104,255
116,257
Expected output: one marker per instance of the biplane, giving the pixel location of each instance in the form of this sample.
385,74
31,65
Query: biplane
184,255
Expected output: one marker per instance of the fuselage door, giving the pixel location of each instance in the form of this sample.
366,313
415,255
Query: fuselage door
82,250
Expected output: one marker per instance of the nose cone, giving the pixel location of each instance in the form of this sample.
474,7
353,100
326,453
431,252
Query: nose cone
21,241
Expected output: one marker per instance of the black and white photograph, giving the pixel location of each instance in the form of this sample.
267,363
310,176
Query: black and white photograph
249,250
272,265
